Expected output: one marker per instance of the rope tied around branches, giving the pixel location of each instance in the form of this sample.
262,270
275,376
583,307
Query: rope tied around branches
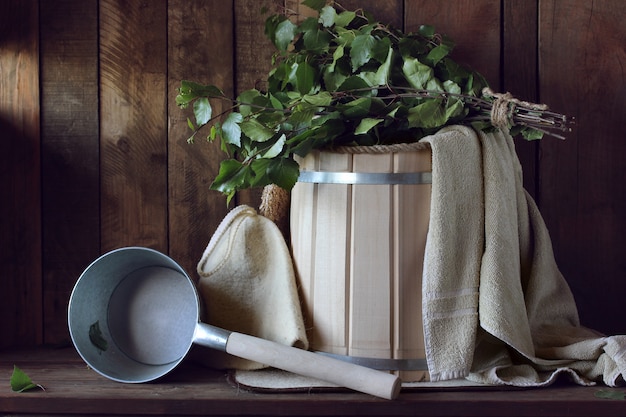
503,108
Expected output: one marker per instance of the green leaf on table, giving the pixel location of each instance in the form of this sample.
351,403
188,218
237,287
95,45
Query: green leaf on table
610,395
21,382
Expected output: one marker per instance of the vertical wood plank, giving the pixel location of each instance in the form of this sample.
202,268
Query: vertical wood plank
386,12
200,48
473,24
253,60
253,49
519,72
331,276
133,123
371,249
302,227
410,227
70,152
20,200
581,57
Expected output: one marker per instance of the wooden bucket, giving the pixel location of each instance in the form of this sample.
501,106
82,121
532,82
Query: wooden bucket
358,234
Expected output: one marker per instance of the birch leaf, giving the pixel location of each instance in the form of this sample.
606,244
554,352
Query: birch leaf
21,382
96,338
610,395
366,125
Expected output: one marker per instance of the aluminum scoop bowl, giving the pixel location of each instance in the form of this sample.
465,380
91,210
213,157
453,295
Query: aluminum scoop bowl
134,314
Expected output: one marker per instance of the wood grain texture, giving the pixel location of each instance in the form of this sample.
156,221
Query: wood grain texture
191,390
358,252
370,260
330,232
474,25
386,12
411,219
253,60
519,72
20,176
581,56
200,48
70,153
303,209
133,123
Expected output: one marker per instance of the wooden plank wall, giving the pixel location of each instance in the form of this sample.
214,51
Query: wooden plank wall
94,157
582,183
21,301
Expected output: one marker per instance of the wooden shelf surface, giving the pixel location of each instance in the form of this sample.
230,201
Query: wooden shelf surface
71,388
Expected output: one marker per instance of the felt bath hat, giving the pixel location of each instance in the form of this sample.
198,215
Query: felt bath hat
248,283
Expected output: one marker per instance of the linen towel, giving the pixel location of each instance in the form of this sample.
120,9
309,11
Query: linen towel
454,245
528,331
247,283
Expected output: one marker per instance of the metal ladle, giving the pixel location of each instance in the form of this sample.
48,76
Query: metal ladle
134,314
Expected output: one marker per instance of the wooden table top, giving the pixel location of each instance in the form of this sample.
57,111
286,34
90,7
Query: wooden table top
71,388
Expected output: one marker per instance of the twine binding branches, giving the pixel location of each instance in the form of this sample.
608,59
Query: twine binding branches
507,111
504,107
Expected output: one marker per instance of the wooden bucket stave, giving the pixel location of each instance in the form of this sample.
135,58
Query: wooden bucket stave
358,251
